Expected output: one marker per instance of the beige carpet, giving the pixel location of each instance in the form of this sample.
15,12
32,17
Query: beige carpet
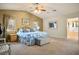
55,47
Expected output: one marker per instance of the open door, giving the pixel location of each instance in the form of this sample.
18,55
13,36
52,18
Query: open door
73,29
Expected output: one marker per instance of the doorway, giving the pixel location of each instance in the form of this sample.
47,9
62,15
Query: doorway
73,29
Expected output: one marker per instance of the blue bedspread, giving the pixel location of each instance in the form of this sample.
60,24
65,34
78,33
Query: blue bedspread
32,34
28,36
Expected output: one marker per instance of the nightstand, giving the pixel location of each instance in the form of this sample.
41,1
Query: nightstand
12,37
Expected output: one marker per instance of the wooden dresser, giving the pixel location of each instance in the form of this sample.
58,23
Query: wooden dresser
12,38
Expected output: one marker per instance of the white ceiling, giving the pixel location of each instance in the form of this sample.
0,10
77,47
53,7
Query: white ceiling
61,8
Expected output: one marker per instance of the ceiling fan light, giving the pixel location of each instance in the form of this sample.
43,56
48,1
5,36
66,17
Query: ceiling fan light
37,11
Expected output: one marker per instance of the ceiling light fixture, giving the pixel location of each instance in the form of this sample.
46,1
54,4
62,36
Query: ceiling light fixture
38,9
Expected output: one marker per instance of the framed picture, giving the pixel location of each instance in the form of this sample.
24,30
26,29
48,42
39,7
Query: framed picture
11,24
25,20
53,24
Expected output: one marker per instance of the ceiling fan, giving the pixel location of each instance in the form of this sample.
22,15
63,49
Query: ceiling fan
38,8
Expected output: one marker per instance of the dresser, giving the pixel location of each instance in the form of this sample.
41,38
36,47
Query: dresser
12,38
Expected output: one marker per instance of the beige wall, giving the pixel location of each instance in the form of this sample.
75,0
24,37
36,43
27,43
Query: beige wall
19,15
73,15
60,31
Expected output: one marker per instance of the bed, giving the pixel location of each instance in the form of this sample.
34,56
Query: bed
32,38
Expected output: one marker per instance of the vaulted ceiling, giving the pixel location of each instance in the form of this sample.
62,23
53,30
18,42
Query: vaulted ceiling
51,8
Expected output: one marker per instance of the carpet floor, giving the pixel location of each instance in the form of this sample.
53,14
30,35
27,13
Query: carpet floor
55,47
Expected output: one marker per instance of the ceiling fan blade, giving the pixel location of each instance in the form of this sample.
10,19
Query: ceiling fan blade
43,10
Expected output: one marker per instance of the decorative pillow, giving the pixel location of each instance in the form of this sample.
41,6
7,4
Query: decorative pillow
27,30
